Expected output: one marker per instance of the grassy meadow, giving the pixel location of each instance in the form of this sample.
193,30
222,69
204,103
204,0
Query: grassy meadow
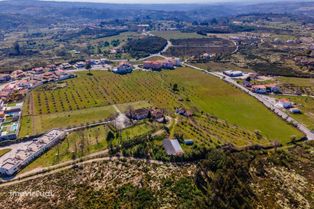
220,67
81,143
176,35
297,81
195,90
71,148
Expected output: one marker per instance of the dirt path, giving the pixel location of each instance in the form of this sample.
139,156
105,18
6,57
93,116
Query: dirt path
73,165
31,111
116,108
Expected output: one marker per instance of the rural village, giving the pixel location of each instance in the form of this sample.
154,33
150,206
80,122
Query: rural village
16,85
156,106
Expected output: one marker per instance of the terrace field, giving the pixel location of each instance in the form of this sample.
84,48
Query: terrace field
196,91
197,46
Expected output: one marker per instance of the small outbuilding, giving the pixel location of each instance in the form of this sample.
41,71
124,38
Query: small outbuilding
188,142
295,111
232,73
172,147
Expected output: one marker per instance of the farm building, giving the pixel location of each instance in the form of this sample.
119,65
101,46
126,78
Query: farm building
80,64
172,147
162,64
123,68
188,142
105,61
184,112
158,115
295,111
272,88
265,89
18,74
51,68
247,84
66,66
259,89
12,109
139,114
284,103
4,78
153,65
232,73
38,70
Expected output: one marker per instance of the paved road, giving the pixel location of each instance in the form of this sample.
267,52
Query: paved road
169,44
237,47
159,54
263,99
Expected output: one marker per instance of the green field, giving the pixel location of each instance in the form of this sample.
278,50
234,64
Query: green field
81,143
176,35
136,131
34,124
93,140
196,91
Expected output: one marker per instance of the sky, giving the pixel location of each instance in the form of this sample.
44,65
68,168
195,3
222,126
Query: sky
160,1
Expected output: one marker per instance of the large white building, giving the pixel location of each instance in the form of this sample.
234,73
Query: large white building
24,153
232,73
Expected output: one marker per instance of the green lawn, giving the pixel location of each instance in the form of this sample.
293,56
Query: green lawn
197,91
136,131
93,140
